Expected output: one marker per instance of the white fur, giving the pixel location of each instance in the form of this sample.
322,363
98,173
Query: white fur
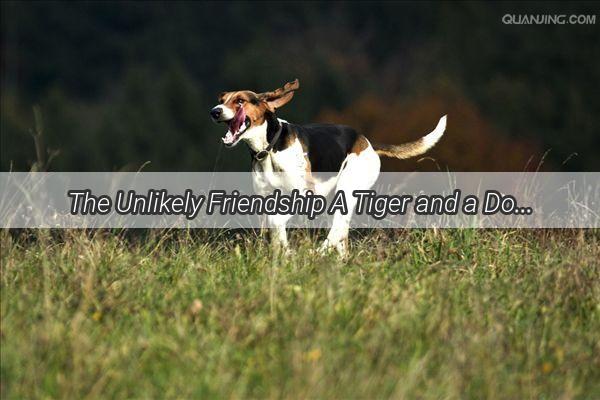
359,173
432,138
284,170
256,137
226,113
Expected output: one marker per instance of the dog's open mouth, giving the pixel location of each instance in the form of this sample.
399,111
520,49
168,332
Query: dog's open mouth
237,126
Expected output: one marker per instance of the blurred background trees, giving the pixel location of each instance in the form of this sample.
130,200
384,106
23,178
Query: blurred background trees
122,83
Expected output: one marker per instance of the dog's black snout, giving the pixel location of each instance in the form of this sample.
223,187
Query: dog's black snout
216,112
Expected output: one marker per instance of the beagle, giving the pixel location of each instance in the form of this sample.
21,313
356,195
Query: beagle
287,156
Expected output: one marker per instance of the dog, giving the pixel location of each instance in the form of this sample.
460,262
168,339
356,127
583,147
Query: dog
287,156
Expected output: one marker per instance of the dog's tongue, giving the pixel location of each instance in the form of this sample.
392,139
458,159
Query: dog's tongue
237,121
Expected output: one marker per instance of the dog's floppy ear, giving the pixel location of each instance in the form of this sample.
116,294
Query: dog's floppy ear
221,96
281,96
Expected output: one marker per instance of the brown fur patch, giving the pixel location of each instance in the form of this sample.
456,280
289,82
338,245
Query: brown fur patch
253,107
360,144
256,105
310,182
280,97
290,138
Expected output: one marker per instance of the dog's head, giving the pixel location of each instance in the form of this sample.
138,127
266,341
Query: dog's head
244,109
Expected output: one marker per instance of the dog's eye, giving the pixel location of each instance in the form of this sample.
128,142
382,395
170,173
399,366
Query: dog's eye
240,101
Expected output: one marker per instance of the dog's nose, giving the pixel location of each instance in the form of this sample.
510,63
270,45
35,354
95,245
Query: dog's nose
216,112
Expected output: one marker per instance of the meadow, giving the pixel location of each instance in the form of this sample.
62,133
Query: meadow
497,314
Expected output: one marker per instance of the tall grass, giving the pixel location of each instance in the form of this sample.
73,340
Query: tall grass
412,314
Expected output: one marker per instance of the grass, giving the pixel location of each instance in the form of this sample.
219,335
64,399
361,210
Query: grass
413,314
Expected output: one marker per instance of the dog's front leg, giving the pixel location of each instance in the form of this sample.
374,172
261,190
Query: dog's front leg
277,224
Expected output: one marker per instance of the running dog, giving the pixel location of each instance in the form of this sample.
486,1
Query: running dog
287,156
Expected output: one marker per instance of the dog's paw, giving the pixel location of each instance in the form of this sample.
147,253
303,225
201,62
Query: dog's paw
327,247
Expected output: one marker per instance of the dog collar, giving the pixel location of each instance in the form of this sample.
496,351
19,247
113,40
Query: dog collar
261,155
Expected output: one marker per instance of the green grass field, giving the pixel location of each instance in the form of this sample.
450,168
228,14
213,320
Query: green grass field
412,314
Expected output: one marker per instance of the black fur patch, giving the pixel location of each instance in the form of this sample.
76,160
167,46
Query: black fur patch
327,145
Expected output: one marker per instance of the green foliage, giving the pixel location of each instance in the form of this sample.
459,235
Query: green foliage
412,314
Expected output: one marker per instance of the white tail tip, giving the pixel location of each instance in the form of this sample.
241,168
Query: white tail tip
435,135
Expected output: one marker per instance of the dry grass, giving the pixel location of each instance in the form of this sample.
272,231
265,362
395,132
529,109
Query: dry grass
413,314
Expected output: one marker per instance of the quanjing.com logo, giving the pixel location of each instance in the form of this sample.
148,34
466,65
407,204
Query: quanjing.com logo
548,19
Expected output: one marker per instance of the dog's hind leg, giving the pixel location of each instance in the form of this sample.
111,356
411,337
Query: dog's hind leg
359,173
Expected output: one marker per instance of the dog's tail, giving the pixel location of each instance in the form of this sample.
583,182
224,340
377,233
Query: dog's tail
412,149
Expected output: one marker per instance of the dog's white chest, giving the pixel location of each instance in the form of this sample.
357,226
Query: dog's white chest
285,170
